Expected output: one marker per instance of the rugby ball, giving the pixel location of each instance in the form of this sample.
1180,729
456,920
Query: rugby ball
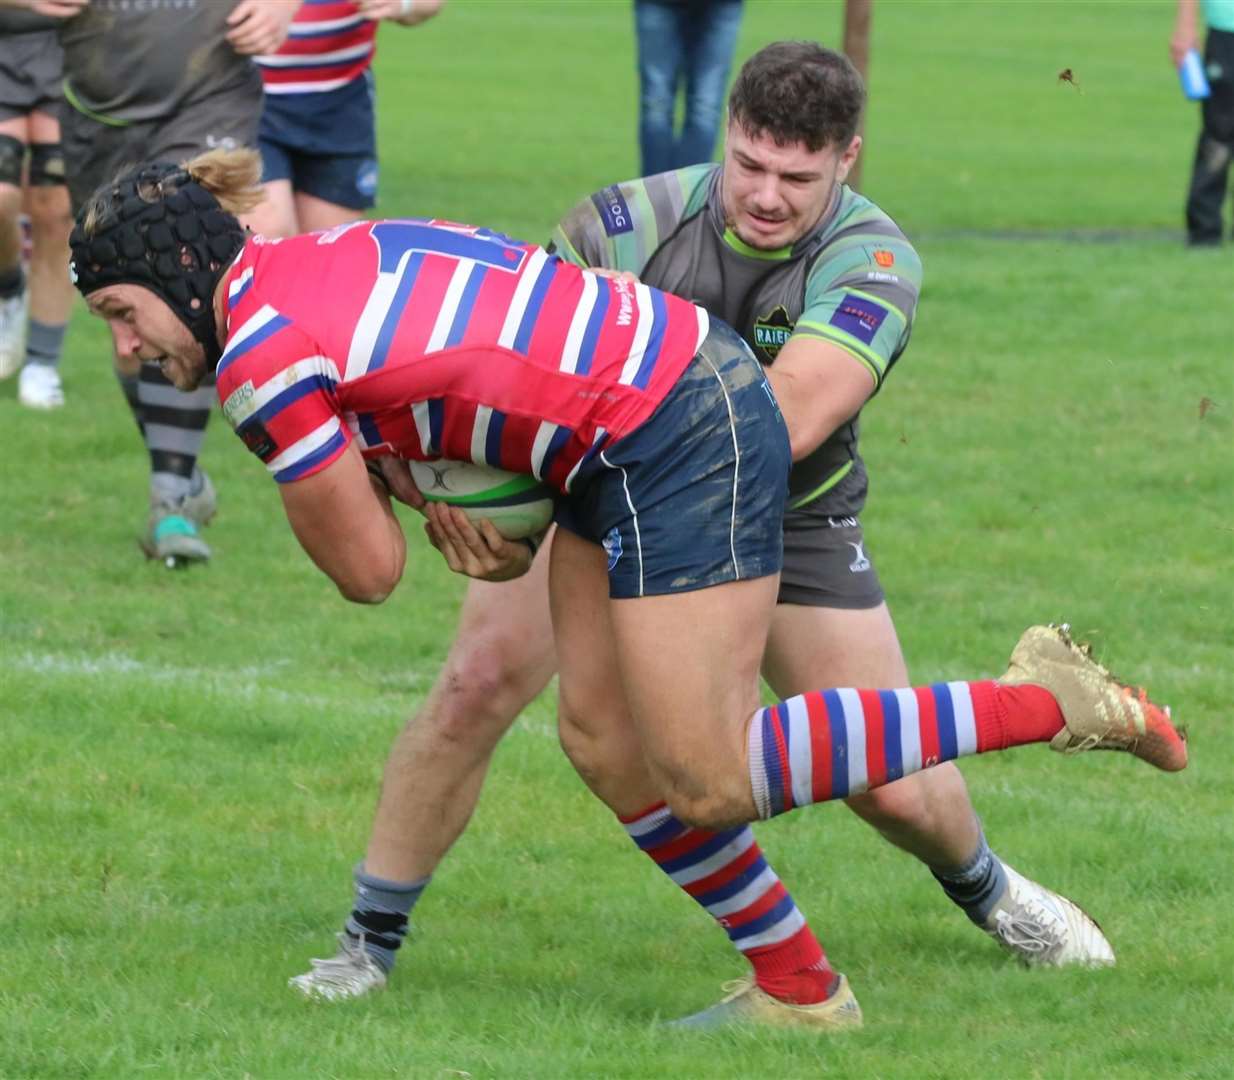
518,505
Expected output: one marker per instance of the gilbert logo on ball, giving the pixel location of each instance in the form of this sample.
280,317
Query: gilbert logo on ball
518,505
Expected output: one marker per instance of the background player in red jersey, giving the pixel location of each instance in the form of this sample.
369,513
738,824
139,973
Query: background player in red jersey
318,137
667,445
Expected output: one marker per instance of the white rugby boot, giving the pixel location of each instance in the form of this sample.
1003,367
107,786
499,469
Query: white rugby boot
39,387
349,973
13,311
1043,929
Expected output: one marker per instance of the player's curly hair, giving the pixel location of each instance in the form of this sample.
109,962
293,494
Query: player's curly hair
798,91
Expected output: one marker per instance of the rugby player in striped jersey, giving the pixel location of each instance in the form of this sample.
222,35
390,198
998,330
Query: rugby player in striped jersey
341,355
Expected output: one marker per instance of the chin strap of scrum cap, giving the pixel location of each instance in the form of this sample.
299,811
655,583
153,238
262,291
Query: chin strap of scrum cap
156,227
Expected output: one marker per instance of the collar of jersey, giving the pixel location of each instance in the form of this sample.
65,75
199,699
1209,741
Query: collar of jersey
742,248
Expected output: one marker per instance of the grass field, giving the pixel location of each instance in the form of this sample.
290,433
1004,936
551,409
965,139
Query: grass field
190,760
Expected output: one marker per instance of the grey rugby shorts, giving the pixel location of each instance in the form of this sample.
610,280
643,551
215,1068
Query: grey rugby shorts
30,73
826,564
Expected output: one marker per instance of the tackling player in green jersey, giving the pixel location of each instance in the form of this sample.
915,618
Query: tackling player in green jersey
823,286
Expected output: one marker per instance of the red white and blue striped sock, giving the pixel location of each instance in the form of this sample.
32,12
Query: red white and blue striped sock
726,873
831,744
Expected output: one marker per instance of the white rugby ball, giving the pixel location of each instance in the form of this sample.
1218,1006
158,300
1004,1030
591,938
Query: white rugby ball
517,504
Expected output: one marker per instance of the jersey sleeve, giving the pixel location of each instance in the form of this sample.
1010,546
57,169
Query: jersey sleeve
278,394
620,227
863,298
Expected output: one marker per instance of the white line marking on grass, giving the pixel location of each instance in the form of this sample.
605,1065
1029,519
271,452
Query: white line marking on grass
240,684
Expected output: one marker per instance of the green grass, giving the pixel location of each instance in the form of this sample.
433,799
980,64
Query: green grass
191,760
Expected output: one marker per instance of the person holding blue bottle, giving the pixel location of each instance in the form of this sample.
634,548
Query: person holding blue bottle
1210,172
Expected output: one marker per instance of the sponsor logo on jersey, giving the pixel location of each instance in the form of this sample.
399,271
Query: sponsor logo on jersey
614,211
884,259
859,317
233,407
772,331
612,546
625,302
257,438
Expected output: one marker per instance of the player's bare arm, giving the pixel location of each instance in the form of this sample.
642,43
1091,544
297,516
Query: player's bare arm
819,386
345,524
260,26
403,12
54,9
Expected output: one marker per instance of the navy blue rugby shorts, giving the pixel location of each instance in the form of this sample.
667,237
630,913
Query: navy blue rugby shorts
695,496
324,143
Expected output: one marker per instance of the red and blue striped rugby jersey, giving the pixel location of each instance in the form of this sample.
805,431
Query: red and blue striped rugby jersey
430,340
329,43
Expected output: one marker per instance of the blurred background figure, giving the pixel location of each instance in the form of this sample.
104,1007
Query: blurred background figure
686,44
1211,170
160,80
34,307
318,137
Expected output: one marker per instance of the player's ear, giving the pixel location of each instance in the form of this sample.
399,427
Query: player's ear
848,158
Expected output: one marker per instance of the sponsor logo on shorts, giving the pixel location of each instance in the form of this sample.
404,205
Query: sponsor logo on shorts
221,142
860,563
614,211
859,317
366,178
233,407
772,331
612,546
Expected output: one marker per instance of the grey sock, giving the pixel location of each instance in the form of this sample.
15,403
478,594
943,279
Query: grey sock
380,913
977,885
44,343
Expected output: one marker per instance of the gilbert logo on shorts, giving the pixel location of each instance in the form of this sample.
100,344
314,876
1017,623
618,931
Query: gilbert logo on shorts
772,331
860,563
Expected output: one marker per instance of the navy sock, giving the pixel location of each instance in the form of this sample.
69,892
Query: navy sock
380,914
976,885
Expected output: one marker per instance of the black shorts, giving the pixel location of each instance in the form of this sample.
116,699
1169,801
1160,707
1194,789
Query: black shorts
96,152
826,564
31,73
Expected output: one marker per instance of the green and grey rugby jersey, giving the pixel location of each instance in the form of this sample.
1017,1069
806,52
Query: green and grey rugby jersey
852,281
132,60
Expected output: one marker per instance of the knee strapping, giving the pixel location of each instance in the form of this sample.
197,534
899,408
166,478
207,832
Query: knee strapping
12,154
46,164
